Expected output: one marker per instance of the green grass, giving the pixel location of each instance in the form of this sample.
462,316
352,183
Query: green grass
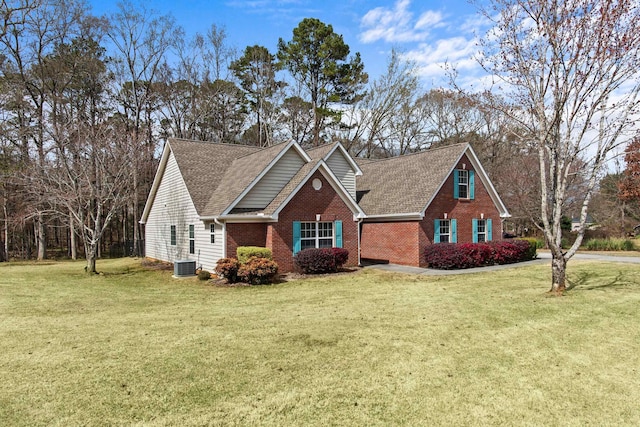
370,348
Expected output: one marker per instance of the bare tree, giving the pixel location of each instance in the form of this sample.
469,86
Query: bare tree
571,69
141,39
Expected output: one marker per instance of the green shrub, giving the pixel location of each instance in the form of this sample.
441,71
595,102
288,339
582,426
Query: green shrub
204,275
246,252
258,271
228,268
609,245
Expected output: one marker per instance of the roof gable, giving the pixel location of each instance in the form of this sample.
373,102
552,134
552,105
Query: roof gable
406,185
204,164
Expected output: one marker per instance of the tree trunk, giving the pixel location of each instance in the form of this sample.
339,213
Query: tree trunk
41,239
74,245
6,227
91,261
558,274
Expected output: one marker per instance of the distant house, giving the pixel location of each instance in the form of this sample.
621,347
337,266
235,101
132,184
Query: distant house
209,198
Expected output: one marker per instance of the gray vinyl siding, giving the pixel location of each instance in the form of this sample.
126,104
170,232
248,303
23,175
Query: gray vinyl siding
172,205
343,171
272,182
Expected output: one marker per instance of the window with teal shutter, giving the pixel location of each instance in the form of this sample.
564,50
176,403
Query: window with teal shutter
454,233
297,242
456,185
472,182
474,226
338,232
436,231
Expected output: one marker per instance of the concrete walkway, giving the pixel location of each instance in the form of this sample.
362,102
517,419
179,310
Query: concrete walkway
543,258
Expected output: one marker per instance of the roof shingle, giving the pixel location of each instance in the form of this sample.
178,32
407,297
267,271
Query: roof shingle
405,184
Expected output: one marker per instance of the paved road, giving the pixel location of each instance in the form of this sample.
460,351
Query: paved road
543,258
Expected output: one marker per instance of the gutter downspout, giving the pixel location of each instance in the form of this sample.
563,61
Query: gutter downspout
359,234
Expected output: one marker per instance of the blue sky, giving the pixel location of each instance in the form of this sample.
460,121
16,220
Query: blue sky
429,32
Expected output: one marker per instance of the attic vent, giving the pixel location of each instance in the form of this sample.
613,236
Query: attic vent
184,268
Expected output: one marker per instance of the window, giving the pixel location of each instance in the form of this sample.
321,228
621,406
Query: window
463,184
316,235
444,231
212,230
192,240
173,235
481,230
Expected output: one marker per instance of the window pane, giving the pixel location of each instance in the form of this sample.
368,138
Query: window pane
307,244
173,235
325,243
191,231
192,246
444,238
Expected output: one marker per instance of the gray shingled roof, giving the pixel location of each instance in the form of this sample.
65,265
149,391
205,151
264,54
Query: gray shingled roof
238,176
405,184
320,152
204,164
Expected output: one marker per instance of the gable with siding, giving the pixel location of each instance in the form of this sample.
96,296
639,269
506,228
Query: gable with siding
270,185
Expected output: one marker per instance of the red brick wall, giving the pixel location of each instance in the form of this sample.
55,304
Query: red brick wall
251,234
463,211
394,242
303,207
404,242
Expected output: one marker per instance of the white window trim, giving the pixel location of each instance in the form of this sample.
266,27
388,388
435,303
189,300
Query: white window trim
465,173
192,239
448,233
481,233
316,229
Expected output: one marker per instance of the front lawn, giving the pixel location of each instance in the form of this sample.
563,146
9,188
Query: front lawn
368,348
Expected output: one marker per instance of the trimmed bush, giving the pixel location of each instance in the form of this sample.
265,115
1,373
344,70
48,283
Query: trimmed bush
246,252
228,268
204,275
258,271
341,256
452,256
315,261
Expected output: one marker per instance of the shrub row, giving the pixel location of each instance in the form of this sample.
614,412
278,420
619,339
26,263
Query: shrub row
452,256
317,261
609,245
256,267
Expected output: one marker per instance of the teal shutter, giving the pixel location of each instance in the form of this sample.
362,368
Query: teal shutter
297,243
489,232
453,231
456,183
474,224
436,231
338,227
472,182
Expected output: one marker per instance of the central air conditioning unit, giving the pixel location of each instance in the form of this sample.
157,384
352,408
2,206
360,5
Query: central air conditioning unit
184,268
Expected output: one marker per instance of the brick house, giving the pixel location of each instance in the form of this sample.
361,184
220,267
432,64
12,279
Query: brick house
208,198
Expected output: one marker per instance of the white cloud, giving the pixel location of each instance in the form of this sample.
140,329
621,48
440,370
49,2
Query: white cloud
434,59
397,24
